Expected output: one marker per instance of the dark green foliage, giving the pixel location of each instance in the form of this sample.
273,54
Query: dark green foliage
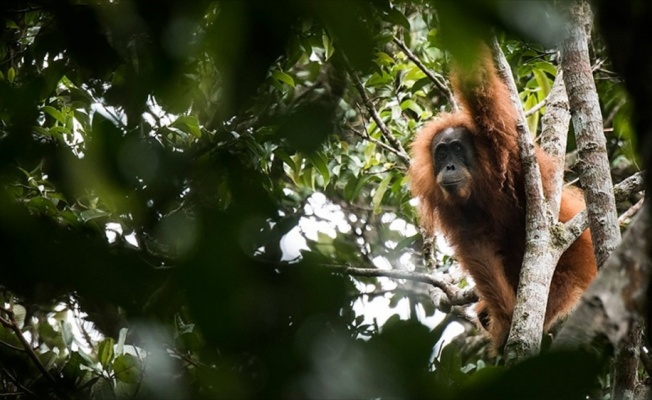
563,375
157,158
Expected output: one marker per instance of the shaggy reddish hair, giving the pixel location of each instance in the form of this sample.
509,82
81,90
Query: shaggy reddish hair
487,230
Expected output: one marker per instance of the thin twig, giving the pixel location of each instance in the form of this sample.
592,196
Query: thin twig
633,184
404,157
530,111
10,323
11,346
16,382
455,296
630,212
435,78
578,224
374,115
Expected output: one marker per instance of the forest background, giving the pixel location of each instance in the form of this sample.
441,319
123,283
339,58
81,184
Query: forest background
199,198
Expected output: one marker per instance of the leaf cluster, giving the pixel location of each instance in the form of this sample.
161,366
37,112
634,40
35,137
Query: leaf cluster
184,176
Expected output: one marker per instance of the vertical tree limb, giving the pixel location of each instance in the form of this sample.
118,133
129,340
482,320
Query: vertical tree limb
540,258
595,175
554,134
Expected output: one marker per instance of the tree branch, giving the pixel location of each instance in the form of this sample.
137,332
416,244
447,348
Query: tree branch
578,224
435,78
554,134
364,135
455,295
10,323
622,220
462,297
587,120
374,115
615,298
532,110
540,258
630,185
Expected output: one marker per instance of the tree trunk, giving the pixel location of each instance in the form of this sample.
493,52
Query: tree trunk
595,175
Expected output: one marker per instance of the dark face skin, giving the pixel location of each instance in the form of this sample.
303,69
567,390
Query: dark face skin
453,156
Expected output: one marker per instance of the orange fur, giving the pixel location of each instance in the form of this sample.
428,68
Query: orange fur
487,231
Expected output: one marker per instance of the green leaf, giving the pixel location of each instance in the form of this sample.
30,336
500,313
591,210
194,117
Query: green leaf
380,193
542,81
94,213
189,124
325,245
82,117
124,390
307,178
105,352
60,130
398,18
9,337
468,368
546,67
532,120
283,77
451,363
412,105
384,59
294,52
283,156
191,341
354,186
43,205
127,368
20,313
72,370
11,74
56,114
102,389
413,74
42,131
48,359
405,242
319,161
305,45
328,46
122,337
66,333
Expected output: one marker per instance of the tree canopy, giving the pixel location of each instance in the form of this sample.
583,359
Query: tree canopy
199,199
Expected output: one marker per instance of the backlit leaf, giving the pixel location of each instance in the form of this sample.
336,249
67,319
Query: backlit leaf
380,193
283,77
127,368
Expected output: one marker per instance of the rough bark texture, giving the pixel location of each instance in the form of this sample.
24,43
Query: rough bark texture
622,191
625,365
617,296
627,28
554,134
594,171
539,262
